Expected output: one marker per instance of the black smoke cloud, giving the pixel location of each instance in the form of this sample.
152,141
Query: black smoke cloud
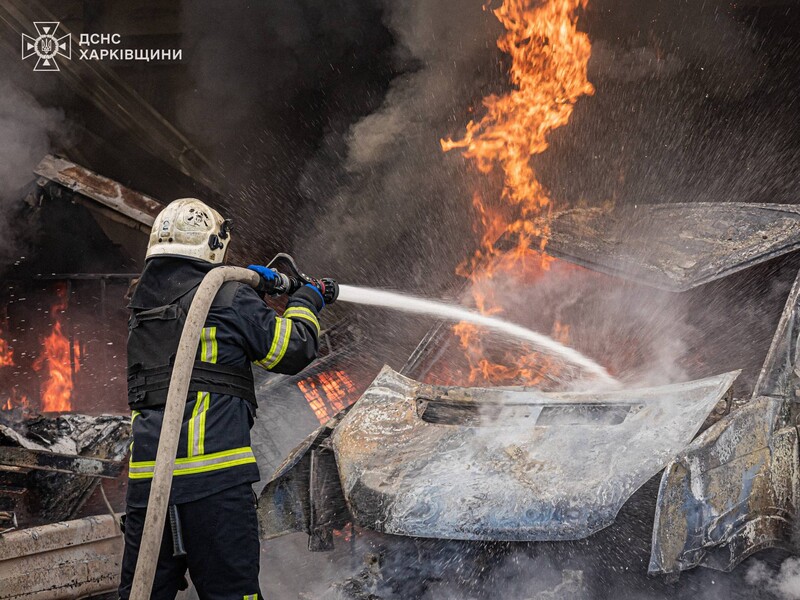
268,80
28,131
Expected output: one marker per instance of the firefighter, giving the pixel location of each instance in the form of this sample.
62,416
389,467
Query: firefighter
211,496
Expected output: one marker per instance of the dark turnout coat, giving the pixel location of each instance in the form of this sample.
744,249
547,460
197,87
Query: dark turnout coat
214,453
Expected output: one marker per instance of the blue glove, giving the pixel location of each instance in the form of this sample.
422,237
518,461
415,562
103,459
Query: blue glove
271,281
268,274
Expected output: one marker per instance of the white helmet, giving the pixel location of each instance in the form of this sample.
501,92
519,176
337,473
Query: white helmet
190,228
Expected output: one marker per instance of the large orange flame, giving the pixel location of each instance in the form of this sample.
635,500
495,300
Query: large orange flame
60,359
549,58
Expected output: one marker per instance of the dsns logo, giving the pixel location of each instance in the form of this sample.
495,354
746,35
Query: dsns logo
46,46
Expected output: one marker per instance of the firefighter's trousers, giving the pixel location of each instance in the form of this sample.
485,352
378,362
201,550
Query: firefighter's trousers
220,534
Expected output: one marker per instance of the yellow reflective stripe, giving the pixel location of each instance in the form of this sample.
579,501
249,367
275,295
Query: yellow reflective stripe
201,444
198,401
280,342
198,464
214,467
284,344
209,351
134,414
139,472
300,312
250,597
208,345
197,424
214,348
187,460
280,323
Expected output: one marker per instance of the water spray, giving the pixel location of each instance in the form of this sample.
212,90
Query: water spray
451,312
291,278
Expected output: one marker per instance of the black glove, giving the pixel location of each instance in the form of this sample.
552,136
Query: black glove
326,287
330,290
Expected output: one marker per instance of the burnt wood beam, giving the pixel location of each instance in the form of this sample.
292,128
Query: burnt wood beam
60,463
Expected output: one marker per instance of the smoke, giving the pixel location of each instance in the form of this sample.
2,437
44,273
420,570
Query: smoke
784,585
25,137
653,40
643,336
25,127
694,103
392,199
268,80
396,568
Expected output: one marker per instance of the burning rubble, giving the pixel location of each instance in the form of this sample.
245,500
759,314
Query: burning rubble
58,339
56,363
328,393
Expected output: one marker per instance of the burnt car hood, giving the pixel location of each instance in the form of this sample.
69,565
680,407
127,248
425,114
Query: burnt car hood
511,464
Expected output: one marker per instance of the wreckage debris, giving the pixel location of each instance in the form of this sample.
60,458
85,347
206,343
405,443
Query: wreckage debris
50,465
675,246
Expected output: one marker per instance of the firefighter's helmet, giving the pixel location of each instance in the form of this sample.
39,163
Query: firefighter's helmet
190,228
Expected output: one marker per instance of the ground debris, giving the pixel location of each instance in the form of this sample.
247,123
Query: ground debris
43,492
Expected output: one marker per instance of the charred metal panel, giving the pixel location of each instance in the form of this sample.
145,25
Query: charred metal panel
511,464
59,463
283,506
732,492
304,494
85,447
736,488
779,375
674,247
328,510
113,200
72,559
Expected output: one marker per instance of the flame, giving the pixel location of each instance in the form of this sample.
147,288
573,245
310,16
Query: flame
6,352
14,398
61,360
327,393
549,58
